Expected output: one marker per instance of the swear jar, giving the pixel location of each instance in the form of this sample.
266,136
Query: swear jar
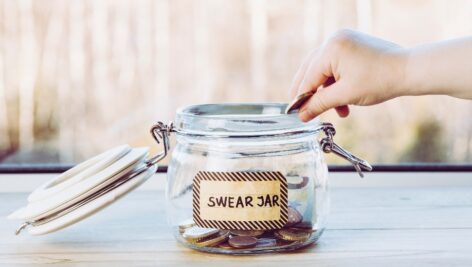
247,178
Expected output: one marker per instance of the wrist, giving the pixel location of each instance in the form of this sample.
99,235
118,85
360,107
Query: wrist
421,73
400,81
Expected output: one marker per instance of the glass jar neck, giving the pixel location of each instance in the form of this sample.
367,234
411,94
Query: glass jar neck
248,146
235,121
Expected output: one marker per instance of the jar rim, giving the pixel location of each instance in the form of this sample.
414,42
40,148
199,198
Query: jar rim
240,120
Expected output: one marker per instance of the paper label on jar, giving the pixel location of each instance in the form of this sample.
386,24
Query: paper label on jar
240,200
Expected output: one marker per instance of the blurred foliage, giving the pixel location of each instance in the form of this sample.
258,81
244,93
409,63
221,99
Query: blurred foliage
79,77
428,143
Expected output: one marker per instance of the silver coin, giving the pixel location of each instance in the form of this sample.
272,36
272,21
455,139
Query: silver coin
196,233
186,224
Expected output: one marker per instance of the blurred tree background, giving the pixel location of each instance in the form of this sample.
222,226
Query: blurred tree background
428,143
78,77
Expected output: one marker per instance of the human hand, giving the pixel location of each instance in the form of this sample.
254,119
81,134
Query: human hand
350,68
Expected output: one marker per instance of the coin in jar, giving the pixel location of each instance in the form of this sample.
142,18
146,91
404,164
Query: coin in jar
266,242
196,233
242,241
213,240
298,183
225,245
254,233
186,224
304,225
292,234
294,217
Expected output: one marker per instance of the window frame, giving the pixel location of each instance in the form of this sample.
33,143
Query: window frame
410,167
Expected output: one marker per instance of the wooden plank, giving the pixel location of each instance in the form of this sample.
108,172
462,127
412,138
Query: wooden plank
402,208
370,227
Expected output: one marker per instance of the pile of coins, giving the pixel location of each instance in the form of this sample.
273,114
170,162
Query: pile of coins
295,231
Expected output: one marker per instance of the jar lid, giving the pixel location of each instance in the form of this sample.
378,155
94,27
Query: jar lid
84,189
240,119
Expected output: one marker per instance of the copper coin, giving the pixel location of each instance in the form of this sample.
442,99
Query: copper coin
225,245
304,225
294,217
242,241
298,102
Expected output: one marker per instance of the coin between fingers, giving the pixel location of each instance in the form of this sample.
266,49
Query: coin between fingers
298,102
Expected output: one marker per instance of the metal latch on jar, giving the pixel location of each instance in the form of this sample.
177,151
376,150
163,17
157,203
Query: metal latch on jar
161,131
328,145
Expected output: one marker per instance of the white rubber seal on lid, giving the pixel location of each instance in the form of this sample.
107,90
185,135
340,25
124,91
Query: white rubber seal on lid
78,173
82,188
92,207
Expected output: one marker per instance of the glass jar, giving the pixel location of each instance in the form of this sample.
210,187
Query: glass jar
247,178
243,179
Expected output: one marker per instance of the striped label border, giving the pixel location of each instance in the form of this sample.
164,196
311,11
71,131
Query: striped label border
241,177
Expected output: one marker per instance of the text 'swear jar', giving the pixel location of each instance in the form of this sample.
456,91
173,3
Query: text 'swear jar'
242,179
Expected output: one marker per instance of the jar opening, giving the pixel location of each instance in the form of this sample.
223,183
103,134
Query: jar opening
240,119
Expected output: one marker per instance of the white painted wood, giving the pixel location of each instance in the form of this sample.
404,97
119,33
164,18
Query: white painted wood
28,182
401,179
368,227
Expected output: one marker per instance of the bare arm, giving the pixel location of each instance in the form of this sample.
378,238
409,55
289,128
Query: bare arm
440,68
358,69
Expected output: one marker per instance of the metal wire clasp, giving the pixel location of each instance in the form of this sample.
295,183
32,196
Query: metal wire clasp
161,131
328,145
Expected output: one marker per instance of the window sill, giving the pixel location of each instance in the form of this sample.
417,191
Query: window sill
27,182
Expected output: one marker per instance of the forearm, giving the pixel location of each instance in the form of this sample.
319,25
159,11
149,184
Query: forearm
441,68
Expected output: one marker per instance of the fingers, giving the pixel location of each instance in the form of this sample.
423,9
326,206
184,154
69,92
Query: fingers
325,98
317,74
301,74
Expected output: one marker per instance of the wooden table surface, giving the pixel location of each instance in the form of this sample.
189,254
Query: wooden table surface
367,227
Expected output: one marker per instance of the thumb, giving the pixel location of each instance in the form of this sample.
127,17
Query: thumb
325,98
